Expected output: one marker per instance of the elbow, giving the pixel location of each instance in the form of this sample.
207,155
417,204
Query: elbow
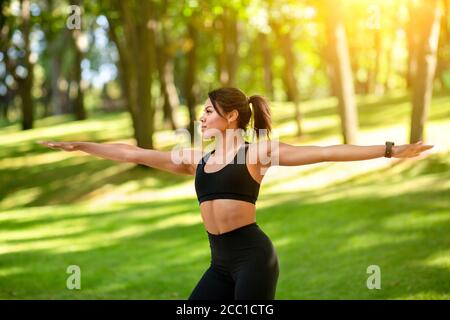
130,156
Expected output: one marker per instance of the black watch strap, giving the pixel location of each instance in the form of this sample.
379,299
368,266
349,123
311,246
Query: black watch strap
388,152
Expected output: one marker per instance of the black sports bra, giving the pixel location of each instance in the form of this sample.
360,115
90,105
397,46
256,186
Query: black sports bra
231,182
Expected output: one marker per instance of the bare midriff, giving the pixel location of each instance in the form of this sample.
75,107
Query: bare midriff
224,215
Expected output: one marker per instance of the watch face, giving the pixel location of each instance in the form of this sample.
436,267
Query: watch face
388,152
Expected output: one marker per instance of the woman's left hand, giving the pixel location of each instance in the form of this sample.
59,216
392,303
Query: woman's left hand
409,150
66,146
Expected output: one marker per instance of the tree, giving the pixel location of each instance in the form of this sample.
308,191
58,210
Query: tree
56,36
25,78
228,26
283,23
443,51
375,28
426,26
341,70
190,77
79,109
133,32
285,42
412,44
166,49
266,53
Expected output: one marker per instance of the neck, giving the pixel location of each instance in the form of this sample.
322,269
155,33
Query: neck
228,143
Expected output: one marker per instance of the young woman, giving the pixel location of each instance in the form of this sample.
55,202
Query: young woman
244,263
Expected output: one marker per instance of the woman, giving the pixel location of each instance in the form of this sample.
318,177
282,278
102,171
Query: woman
244,263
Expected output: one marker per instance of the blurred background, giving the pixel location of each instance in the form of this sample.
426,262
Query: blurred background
349,71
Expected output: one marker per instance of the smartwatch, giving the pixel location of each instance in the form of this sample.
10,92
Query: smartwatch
388,152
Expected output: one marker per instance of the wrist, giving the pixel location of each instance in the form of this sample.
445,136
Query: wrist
389,149
394,150
77,146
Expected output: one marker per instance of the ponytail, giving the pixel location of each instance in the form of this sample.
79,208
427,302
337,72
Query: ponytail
261,115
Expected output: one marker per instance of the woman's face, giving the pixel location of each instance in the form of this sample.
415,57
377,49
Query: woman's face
212,123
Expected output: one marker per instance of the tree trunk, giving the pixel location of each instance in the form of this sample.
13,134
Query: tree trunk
340,60
390,56
190,78
123,75
444,42
412,44
57,98
373,74
228,27
169,93
57,42
78,103
165,67
427,29
26,83
137,55
266,52
289,78
79,109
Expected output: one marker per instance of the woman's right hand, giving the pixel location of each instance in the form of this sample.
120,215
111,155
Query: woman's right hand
66,146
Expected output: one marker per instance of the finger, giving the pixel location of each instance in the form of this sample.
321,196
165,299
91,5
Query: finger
56,145
426,147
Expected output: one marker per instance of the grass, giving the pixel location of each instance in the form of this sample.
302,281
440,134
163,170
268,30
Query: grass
136,233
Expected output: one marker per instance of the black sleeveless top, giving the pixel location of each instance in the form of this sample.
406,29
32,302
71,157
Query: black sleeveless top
231,182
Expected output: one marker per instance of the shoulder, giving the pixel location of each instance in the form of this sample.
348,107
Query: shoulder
189,157
192,158
195,154
263,146
261,151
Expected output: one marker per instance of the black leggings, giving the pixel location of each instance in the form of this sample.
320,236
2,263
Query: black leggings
244,266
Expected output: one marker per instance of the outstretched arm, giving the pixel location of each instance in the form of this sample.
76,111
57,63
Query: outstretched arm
163,160
111,151
349,152
290,155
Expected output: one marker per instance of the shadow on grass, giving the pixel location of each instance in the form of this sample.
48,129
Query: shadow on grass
166,263
404,168
68,181
104,219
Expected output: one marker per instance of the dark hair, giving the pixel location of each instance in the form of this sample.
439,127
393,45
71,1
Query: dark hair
229,99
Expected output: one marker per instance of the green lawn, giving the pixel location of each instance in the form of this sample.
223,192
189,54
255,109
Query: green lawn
136,233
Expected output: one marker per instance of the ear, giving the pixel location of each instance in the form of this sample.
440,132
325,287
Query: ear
232,115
